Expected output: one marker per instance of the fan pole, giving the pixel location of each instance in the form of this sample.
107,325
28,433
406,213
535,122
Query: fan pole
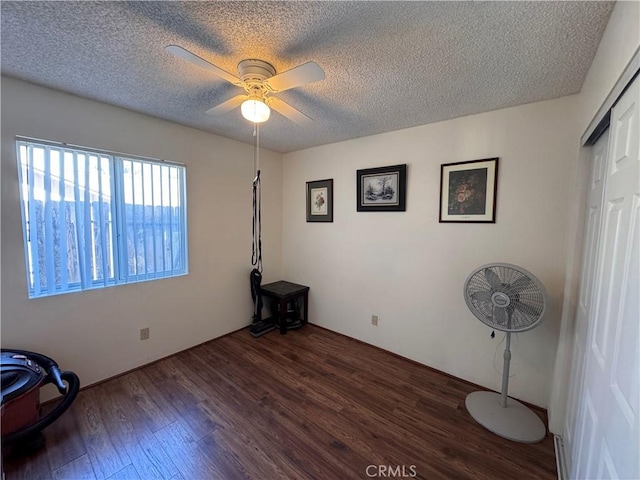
505,372
502,415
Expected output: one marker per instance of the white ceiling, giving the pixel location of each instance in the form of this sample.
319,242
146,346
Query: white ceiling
388,65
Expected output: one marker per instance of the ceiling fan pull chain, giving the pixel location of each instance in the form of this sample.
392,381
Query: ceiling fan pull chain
256,243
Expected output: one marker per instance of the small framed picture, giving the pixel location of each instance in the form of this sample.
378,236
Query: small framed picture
382,189
468,191
320,201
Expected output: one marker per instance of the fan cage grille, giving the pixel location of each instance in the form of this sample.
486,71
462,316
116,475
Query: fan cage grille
527,297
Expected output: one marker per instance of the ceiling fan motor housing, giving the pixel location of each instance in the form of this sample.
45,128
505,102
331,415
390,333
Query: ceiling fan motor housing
255,71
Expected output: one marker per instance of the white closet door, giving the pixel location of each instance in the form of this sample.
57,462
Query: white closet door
608,433
585,298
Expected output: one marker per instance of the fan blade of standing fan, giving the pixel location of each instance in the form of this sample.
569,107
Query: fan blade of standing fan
481,296
288,111
492,278
520,284
201,62
301,75
500,316
227,106
531,310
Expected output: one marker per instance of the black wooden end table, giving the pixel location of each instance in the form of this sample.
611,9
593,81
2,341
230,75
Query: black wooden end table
285,292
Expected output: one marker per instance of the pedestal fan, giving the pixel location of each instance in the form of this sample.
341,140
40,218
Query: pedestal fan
508,298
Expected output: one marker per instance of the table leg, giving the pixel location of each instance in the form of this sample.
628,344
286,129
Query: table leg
306,307
282,313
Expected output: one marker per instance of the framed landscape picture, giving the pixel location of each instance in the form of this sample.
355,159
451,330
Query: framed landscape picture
382,189
468,191
320,201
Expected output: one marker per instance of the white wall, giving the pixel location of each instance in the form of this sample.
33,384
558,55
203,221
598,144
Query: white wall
96,333
409,269
619,42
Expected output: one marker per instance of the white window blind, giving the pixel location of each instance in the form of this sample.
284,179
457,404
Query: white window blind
92,219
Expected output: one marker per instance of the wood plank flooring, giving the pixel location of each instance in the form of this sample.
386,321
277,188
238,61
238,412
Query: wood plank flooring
308,405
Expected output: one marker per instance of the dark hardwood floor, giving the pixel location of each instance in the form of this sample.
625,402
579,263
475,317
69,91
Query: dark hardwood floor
308,405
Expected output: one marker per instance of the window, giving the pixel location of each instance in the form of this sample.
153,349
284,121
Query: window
92,219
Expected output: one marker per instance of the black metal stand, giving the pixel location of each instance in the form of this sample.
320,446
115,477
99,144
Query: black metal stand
261,327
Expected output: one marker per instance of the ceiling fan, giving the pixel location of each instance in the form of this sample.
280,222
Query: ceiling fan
260,81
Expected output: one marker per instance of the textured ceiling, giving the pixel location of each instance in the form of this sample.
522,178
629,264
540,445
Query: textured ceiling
388,65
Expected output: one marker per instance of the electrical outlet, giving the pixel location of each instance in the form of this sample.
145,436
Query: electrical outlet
144,333
374,320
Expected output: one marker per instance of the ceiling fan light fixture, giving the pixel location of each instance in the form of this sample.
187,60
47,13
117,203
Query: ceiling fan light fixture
255,110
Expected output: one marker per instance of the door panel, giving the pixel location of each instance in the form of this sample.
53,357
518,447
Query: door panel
591,235
606,468
610,431
603,313
624,373
586,439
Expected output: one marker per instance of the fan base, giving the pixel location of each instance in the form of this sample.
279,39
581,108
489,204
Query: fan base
514,422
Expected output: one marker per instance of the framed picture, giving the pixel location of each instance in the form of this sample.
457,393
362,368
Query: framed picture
382,189
468,191
320,201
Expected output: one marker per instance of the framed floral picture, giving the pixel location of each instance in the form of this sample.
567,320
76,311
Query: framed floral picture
468,191
320,201
382,189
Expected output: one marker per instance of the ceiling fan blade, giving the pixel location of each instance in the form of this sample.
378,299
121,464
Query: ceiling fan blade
288,111
301,75
227,106
201,62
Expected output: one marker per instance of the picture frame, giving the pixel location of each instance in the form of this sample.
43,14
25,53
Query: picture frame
468,191
320,201
382,189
